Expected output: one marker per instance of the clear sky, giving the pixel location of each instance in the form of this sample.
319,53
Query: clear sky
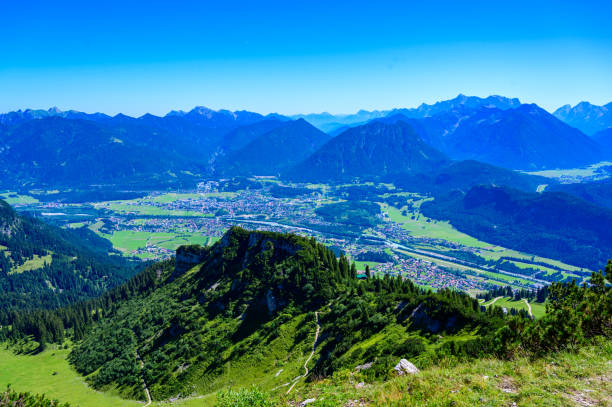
300,56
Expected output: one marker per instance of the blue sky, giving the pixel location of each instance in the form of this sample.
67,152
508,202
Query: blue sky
300,56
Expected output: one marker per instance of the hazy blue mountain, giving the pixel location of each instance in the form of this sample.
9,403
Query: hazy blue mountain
527,137
243,135
221,118
56,151
596,192
463,175
586,117
373,150
460,102
332,123
276,150
329,123
518,138
604,139
20,116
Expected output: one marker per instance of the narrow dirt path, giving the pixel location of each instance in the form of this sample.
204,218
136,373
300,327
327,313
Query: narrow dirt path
492,301
528,307
314,346
144,383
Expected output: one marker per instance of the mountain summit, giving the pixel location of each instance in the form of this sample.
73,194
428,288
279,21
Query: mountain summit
372,150
586,117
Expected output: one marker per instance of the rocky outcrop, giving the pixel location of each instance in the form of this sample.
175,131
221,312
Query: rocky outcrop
405,367
271,302
188,257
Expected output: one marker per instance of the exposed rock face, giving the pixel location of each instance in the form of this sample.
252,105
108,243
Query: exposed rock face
271,302
428,316
405,367
365,366
189,256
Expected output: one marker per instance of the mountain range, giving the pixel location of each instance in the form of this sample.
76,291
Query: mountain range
55,148
274,151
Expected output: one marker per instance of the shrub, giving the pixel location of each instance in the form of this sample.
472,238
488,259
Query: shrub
249,397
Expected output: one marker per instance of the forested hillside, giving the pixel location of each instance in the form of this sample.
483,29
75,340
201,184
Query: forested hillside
45,266
369,151
249,309
551,224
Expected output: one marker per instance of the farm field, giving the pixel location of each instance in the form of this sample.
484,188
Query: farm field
129,241
424,227
420,227
13,198
537,309
148,210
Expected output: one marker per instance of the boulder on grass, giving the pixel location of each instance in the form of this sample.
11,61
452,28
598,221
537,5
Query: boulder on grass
405,367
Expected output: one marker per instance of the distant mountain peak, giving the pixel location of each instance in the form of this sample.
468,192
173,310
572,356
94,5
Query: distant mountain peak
586,117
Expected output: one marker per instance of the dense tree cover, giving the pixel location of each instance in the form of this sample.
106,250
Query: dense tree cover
11,398
359,214
398,320
463,175
279,191
361,192
182,328
53,325
553,225
597,192
380,256
575,315
539,295
81,264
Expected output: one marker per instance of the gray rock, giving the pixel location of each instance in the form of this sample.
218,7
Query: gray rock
365,366
307,401
404,367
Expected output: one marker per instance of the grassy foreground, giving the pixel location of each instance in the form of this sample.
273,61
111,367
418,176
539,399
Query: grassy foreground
582,378
49,373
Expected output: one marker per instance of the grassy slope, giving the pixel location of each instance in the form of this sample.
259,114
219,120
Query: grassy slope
35,263
566,379
433,229
35,374
129,240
